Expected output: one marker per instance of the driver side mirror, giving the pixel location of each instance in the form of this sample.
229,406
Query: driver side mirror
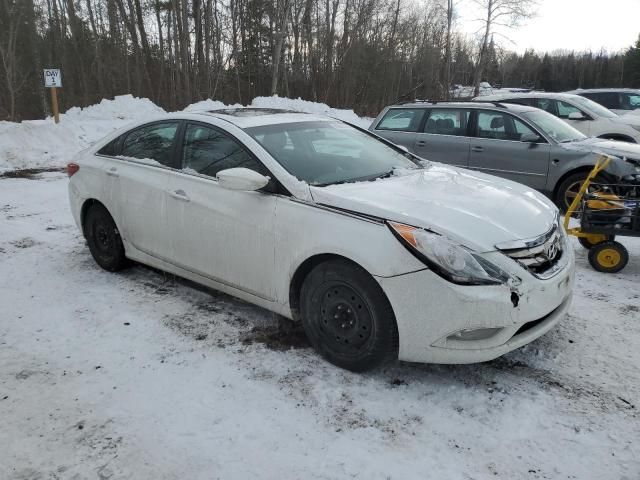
576,116
241,179
529,138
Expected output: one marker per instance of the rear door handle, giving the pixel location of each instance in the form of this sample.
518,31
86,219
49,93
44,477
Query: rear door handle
421,143
179,195
113,172
477,149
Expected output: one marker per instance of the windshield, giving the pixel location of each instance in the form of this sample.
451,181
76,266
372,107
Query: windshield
323,153
593,107
553,127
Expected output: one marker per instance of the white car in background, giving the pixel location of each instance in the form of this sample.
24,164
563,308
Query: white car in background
619,100
587,116
380,254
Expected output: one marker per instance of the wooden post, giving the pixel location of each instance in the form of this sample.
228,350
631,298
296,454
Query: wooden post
54,104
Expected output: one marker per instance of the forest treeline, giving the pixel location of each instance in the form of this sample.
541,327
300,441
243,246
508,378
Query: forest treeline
360,54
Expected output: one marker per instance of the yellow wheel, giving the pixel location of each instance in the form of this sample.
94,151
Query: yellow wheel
608,257
594,239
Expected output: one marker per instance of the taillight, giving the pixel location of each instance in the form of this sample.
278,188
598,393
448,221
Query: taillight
72,168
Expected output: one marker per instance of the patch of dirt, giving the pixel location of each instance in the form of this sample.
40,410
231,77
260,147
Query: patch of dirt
629,309
25,242
573,391
29,173
284,336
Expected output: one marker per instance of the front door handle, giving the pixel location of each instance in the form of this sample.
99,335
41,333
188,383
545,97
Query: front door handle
421,143
113,172
179,195
477,149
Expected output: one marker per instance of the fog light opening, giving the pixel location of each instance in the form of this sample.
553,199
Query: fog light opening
474,334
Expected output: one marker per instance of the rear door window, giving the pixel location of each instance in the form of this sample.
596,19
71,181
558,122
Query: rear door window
402,120
452,121
153,142
548,105
606,99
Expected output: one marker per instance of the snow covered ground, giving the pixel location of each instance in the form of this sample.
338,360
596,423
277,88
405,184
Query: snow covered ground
140,375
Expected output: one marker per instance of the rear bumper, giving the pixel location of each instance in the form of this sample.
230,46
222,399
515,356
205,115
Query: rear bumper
430,313
75,204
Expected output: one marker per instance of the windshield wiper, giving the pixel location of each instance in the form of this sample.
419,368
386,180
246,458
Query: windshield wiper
366,178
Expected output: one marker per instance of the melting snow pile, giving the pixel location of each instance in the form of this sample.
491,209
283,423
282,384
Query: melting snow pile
41,143
300,105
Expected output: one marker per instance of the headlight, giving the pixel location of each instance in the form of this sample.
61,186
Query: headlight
448,259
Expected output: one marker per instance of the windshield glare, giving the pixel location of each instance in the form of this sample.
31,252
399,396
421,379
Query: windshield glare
553,127
323,153
594,107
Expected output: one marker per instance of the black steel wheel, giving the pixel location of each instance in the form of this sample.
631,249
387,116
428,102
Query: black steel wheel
347,316
104,239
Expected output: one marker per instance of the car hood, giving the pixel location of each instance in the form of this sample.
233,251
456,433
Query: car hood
630,151
628,119
479,211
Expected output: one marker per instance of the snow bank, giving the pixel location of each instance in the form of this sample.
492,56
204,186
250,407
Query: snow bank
42,143
284,103
208,104
300,105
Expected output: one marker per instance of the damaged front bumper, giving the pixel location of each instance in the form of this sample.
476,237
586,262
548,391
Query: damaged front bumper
441,322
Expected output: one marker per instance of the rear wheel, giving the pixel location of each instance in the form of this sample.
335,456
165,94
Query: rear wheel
608,257
594,239
104,239
347,316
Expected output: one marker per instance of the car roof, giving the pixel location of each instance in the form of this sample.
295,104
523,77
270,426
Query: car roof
474,105
247,117
503,96
603,90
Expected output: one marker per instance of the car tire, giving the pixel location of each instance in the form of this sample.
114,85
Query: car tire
608,257
570,186
104,239
347,317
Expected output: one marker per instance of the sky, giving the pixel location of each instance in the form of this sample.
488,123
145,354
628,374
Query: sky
569,25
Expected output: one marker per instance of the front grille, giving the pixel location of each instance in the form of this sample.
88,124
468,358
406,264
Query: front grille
540,254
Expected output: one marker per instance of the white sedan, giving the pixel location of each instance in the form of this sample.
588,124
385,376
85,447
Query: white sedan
381,255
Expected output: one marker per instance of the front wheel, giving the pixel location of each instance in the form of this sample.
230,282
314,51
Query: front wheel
608,257
347,316
569,188
104,239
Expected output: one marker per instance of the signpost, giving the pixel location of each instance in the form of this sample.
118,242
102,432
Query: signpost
53,80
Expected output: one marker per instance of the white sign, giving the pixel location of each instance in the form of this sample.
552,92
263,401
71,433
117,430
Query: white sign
52,77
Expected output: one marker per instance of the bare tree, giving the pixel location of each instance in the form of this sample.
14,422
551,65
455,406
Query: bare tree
498,13
447,75
15,79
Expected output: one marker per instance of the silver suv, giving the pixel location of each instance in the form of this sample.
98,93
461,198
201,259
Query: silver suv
516,142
